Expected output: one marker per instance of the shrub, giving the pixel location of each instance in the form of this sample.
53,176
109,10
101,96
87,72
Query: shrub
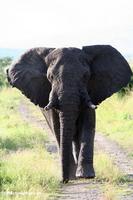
4,62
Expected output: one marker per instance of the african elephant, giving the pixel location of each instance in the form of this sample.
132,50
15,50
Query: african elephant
67,84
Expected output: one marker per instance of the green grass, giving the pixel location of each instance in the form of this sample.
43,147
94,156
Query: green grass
115,119
25,166
29,170
106,170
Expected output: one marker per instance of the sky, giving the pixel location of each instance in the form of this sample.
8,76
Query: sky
59,23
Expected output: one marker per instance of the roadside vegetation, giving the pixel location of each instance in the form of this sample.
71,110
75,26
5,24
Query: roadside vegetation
115,120
25,166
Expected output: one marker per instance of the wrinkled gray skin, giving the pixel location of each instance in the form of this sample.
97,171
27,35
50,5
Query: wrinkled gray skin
67,83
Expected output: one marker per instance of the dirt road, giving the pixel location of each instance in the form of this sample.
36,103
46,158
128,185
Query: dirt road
86,189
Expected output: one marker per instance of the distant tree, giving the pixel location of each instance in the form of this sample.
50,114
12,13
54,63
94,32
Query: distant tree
4,62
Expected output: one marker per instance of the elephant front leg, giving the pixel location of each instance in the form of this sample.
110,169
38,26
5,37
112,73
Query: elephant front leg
72,168
52,118
85,161
74,157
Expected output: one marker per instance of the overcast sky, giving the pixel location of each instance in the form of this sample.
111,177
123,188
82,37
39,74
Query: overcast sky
57,23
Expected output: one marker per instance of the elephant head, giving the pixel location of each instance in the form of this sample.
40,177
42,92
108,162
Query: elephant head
68,79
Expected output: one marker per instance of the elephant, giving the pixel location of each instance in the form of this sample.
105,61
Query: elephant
67,84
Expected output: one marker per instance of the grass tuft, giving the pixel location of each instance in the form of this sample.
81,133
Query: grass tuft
106,170
111,192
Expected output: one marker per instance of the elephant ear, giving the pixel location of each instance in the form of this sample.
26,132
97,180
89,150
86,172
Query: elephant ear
109,71
28,74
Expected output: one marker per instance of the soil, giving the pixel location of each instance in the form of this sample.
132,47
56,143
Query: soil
86,189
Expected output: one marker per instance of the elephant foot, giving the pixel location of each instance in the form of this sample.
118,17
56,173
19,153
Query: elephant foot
72,174
85,171
72,171
64,181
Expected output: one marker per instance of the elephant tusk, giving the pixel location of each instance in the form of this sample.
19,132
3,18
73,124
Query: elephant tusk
46,108
91,105
49,106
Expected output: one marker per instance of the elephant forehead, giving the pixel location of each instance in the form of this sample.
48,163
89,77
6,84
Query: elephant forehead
65,52
66,60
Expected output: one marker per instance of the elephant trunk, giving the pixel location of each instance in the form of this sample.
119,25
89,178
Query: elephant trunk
69,110
67,129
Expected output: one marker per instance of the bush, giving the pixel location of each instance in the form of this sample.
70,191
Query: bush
4,62
126,90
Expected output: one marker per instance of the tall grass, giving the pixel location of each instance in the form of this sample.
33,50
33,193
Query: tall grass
29,171
106,170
